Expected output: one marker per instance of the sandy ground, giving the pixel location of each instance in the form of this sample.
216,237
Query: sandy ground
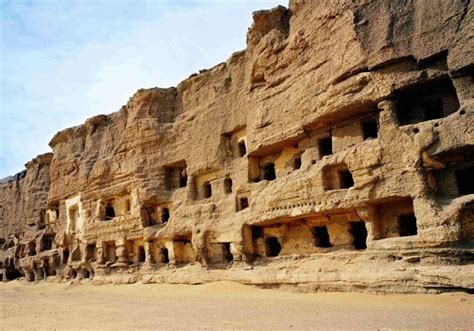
221,305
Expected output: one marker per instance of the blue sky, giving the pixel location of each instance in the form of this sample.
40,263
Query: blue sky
62,62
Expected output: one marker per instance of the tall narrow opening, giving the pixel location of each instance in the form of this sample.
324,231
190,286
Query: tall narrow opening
46,243
297,163
141,254
91,253
109,211
273,246
226,252
325,146
370,129
32,249
206,190
228,185
465,180
242,148
165,215
164,258
322,236
359,232
407,225
183,178
65,255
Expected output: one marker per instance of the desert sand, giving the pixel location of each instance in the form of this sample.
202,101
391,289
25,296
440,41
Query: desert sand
222,305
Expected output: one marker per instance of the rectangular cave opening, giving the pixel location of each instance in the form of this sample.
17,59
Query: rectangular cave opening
228,185
242,148
109,211
164,255
345,179
359,232
165,215
183,249
65,255
141,254
175,175
465,180
297,163
267,171
407,225
257,232
325,146
427,101
370,128
243,203
321,236
47,243
91,252
337,177
31,248
110,251
206,190
273,246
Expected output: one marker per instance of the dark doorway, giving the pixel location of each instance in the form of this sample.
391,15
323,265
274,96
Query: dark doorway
407,225
370,129
325,146
47,243
226,252
322,236
141,254
359,232
109,211
65,255
345,179
273,246
257,232
465,180
297,163
164,255
206,190
268,171
165,215
243,203
242,148
228,185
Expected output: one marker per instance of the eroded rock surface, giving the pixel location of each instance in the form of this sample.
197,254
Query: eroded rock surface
336,152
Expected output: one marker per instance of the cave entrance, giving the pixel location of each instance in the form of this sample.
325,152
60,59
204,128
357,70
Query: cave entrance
273,246
322,236
407,225
359,232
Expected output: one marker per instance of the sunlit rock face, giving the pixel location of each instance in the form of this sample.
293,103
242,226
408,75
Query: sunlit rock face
336,152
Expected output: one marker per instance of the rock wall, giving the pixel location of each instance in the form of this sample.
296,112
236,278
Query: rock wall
334,153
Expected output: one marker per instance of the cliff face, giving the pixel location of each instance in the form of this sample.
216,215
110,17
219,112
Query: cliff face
341,139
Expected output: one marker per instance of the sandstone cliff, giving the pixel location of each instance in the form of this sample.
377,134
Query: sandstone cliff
334,152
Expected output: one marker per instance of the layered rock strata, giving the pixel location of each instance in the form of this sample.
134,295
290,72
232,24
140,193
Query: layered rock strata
336,152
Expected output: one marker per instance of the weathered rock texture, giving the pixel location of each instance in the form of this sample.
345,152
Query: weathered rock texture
336,152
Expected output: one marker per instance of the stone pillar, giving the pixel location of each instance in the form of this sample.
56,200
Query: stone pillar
101,258
121,252
171,252
388,116
149,255
369,215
